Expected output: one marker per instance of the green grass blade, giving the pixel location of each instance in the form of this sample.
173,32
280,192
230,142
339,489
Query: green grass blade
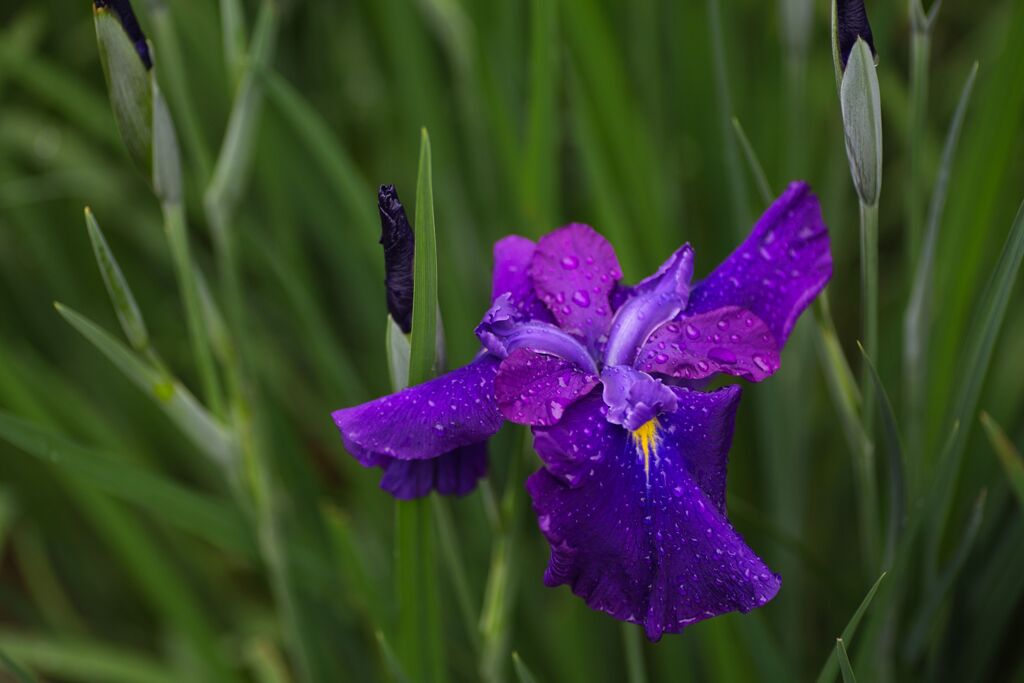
1009,457
82,660
917,319
753,163
180,405
18,674
845,668
985,328
828,672
921,627
452,552
540,178
121,296
423,354
523,672
161,498
895,453
391,662
324,146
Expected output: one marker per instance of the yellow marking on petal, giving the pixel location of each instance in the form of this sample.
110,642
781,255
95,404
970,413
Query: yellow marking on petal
645,438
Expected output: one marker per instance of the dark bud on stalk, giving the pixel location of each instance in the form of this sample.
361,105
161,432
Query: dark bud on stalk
852,23
399,249
123,10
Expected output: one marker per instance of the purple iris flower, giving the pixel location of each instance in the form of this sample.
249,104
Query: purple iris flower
631,497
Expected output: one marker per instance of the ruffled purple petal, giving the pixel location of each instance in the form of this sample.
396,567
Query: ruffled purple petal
502,331
574,269
730,340
649,548
634,397
424,421
778,270
452,474
512,257
654,301
535,388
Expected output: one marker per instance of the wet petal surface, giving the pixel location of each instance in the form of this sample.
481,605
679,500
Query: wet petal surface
512,257
651,548
730,340
535,388
778,270
424,421
574,269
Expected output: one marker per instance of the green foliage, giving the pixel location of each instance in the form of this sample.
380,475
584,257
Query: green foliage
186,510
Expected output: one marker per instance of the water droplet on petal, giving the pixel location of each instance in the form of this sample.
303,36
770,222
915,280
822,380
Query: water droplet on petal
570,262
722,355
760,362
692,332
582,298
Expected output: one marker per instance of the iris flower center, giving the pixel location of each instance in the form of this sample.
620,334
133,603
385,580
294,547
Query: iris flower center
645,438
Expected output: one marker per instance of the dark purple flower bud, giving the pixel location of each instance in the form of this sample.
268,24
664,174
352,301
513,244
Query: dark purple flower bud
399,249
123,10
852,23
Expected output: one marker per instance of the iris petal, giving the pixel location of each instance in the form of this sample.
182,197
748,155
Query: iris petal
778,270
535,388
424,421
654,550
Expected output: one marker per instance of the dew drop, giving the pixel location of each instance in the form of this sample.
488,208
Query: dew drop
692,332
570,262
760,362
581,297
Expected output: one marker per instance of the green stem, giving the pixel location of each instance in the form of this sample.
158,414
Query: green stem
177,238
920,48
869,304
631,643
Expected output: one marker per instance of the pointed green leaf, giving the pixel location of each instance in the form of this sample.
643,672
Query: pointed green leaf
862,122
180,405
988,320
125,307
166,157
844,662
753,163
828,672
423,352
1009,457
394,666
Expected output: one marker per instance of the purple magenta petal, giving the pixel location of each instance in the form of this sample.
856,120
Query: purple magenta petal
574,269
535,389
634,397
654,301
424,421
730,340
452,474
649,548
778,270
502,331
581,438
512,257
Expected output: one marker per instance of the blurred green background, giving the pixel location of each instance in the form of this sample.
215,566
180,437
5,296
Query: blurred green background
126,555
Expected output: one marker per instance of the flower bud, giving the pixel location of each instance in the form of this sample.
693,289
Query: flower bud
125,55
851,24
862,122
399,249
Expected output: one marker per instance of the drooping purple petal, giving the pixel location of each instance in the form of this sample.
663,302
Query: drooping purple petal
730,340
535,388
634,397
451,474
583,437
512,257
778,270
648,547
424,421
654,301
574,270
502,331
